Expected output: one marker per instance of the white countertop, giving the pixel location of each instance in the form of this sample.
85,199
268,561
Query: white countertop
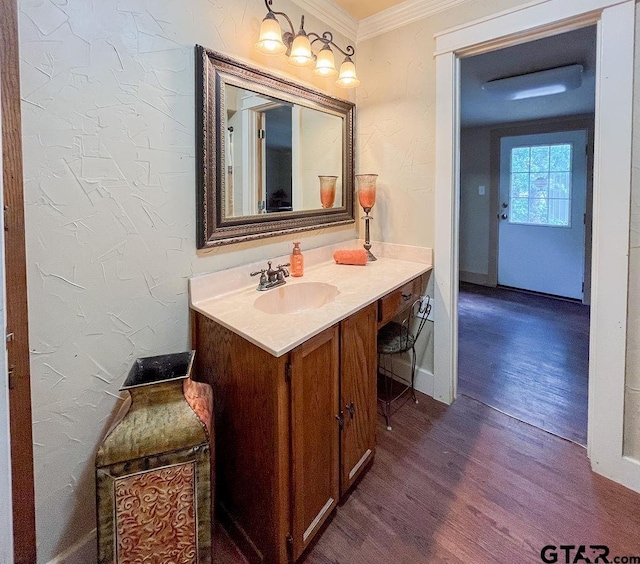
359,286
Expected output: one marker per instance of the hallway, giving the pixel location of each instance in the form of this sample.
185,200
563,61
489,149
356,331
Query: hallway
527,356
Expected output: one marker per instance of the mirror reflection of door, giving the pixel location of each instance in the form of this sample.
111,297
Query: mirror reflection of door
277,159
543,181
275,151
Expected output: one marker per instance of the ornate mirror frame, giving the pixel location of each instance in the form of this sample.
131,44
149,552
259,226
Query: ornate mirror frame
213,72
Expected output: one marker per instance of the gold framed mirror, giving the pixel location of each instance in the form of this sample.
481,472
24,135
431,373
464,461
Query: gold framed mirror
264,147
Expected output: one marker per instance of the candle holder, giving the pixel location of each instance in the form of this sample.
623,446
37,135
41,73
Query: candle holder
367,198
327,190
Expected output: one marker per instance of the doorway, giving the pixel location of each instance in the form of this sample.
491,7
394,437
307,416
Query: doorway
278,150
525,177
611,192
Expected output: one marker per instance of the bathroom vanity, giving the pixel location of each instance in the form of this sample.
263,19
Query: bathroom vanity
294,376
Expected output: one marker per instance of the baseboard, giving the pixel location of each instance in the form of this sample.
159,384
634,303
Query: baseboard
85,551
475,278
424,381
424,378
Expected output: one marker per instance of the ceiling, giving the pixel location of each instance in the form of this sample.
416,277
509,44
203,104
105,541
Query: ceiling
361,9
481,108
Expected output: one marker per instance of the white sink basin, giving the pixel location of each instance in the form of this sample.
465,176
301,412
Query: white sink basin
296,297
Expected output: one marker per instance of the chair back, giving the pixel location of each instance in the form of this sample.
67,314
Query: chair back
399,337
420,309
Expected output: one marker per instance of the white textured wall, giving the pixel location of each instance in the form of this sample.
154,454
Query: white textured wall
108,120
632,396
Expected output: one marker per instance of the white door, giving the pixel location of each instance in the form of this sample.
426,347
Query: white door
543,187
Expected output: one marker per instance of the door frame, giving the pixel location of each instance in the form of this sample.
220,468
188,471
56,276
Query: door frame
20,420
552,125
615,20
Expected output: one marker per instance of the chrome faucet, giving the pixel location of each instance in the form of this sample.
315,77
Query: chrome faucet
271,278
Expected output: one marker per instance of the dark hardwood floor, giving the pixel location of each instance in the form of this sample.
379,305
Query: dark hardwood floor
468,484
526,355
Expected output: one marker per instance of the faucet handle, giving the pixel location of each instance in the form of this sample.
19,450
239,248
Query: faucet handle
283,268
263,278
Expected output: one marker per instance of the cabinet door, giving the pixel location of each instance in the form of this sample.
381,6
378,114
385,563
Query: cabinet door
358,372
314,435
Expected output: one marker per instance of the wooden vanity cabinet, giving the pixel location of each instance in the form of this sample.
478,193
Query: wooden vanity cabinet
315,428
400,299
252,438
358,374
292,433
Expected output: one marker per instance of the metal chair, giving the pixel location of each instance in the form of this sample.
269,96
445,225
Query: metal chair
395,338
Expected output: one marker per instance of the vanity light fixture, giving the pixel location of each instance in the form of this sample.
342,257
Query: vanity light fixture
297,47
534,84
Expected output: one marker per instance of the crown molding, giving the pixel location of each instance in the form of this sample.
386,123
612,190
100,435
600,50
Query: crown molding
405,13
332,14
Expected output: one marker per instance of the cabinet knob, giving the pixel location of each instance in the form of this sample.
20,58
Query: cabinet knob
340,418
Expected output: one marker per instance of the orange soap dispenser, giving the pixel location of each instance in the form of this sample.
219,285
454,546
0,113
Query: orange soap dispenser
297,261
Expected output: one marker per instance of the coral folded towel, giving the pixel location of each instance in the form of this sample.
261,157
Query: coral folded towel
358,256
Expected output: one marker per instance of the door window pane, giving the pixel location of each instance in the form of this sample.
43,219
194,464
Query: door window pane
539,211
559,183
520,210
560,158
520,159
520,185
540,158
540,185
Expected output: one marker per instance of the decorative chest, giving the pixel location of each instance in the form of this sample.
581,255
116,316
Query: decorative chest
153,479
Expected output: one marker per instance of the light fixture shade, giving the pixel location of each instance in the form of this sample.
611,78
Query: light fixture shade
325,63
347,78
270,40
327,190
534,84
301,55
366,190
